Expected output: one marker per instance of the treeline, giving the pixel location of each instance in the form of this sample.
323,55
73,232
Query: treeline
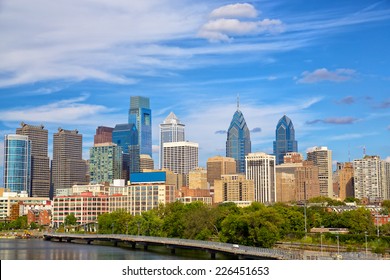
256,225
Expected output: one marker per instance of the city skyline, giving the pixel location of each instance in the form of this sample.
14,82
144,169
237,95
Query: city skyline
322,64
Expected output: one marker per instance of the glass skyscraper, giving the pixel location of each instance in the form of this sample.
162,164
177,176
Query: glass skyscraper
171,130
285,139
141,115
17,163
238,143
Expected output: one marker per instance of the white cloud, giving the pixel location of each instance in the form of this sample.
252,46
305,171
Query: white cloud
323,74
239,10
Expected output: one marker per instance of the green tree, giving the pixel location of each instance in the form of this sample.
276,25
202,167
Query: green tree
70,220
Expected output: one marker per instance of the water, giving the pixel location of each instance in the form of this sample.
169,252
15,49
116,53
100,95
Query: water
38,249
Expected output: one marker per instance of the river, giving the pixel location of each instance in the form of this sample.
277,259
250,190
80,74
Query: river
38,249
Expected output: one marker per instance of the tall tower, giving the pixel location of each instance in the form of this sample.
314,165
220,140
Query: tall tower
141,115
103,135
40,162
238,143
105,163
285,139
17,163
68,167
260,168
322,157
180,157
171,130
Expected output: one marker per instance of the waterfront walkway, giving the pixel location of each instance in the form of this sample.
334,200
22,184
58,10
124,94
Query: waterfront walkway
242,252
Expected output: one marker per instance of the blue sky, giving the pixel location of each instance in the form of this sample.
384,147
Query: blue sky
75,64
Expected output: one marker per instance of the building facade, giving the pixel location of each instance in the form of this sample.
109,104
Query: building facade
284,139
103,135
197,179
17,163
68,167
238,143
322,157
180,157
40,161
171,130
105,163
217,166
140,114
146,162
345,180
234,188
260,168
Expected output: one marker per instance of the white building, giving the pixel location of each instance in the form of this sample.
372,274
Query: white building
180,157
260,168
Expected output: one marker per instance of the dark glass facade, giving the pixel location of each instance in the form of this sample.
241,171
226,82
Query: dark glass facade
238,143
285,139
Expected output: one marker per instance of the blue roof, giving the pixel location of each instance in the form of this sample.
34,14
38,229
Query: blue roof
148,177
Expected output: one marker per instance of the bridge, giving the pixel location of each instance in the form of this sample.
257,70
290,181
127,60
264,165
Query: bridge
213,248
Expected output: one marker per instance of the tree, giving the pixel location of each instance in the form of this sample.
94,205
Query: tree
70,220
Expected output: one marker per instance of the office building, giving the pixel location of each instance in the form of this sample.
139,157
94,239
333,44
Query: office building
40,161
146,162
180,157
284,139
197,179
103,135
369,180
171,130
322,157
345,181
234,188
17,163
140,114
238,143
217,166
260,168
105,163
68,167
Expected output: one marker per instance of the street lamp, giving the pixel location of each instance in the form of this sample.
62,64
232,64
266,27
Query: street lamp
377,224
338,244
322,228
365,235
112,228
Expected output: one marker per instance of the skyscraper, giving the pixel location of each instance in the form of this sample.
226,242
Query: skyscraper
17,163
40,161
218,166
260,168
105,163
180,157
171,130
285,139
103,135
322,157
68,167
141,115
238,143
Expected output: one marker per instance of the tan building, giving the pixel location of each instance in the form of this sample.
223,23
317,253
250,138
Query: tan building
322,157
344,174
296,181
217,166
187,195
198,179
40,162
233,187
68,167
293,158
146,162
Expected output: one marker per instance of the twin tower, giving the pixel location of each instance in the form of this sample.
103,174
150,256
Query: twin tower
238,143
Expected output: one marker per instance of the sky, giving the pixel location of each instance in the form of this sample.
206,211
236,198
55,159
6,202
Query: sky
75,63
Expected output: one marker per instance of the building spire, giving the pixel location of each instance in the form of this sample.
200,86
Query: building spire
238,102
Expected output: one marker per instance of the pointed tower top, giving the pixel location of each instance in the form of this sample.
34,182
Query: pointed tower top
238,102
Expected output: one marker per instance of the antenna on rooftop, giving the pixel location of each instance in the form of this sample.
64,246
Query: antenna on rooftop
238,101
364,151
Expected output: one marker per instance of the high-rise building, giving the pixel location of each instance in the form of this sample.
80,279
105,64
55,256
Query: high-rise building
238,143
140,114
386,179
68,167
146,162
105,163
126,137
217,166
368,178
234,188
345,184
180,157
197,179
103,135
322,157
17,163
171,130
284,139
260,168
40,161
